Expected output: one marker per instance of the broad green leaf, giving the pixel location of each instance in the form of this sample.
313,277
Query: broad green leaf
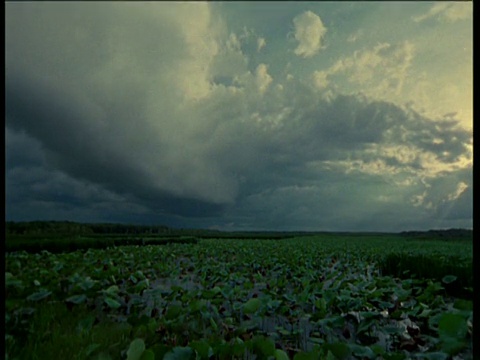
208,294
333,321
237,350
148,355
377,349
452,325
317,340
40,295
330,356
173,311
160,350
112,303
435,356
461,304
340,350
180,353
112,290
252,305
10,280
213,324
302,355
362,351
139,274
140,331
264,346
280,355
136,349
365,326
451,345
203,348
103,356
392,329
142,285
394,356
425,313
87,283
449,279
197,305
77,299
136,320
90,349
222,350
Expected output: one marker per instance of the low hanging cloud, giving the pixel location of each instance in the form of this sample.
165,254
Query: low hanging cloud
309,31
152,121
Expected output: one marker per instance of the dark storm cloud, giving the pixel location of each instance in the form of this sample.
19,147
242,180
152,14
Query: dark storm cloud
122,116
261,158
93,132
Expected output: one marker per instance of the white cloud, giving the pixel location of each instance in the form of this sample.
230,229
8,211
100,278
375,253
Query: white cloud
320,79
459,11
452,100
233,43
309,32
379,72
461,187
421,201
353,37
447,11
262,78
230,61
261,43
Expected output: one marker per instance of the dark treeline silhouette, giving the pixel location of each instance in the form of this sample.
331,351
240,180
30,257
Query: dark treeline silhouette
69,228
447,234
74,228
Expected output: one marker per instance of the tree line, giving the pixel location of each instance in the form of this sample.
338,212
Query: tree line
74,228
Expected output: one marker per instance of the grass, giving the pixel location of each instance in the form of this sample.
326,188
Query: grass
406,265
57,333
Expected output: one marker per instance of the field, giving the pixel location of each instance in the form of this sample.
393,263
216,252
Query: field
324,296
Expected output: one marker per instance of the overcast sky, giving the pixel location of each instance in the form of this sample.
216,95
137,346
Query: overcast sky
241,115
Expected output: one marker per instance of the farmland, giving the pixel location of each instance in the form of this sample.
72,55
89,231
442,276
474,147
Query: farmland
321,296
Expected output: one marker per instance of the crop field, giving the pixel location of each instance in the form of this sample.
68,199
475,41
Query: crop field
313,297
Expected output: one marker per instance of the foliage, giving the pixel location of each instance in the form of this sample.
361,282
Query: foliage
316,297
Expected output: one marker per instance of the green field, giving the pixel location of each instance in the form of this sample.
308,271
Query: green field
323,296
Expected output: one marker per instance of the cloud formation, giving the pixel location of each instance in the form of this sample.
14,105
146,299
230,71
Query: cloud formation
380,72
309,32
447,11
261,43
164,120
353,37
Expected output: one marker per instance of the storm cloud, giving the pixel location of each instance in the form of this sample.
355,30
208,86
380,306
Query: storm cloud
154,112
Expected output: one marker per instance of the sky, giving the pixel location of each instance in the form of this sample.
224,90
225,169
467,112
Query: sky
313,116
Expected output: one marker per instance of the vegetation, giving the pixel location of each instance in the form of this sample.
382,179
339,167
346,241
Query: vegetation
60,244
323,296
